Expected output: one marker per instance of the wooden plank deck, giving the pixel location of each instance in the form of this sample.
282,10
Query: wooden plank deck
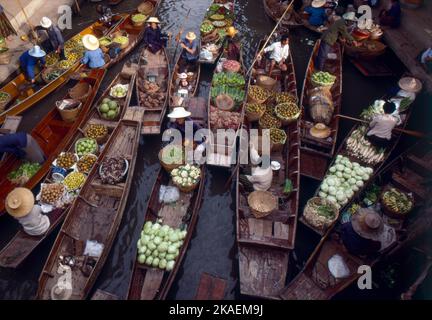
211,288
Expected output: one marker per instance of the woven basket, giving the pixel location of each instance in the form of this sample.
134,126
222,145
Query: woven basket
235,70
224,102
320,85
100,140
278,146
121,34
3,104
79,140
254,116
187,189
286,121
168,167
389,212
145,8
250,99
262,203
47,71
266,82
80,91
69,115
309,212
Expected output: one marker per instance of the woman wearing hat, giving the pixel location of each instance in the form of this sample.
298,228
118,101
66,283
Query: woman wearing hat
317,13
54,40
154,39
20,205
93,57
29,61
190,51
232,45
366,233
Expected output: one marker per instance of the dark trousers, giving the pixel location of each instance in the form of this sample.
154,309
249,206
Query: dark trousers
377,141
321,58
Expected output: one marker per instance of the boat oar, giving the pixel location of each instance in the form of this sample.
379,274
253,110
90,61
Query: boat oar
412,133
269,36
177,38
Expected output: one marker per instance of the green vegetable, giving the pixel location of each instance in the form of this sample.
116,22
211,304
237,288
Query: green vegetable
24,173
288,187
325,211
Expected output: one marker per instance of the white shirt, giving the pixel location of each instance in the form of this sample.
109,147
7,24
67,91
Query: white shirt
278,53
261,178
35,223
426,54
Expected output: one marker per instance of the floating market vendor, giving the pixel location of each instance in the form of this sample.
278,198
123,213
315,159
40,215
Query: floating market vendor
93,57
261,176
366,233
20,205
51,36
337,29
154,39
317,13
382,125
190,51
392,16
30,59
232,46
22,145
279,52
6,28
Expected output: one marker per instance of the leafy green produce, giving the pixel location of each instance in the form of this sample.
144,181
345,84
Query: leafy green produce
288,186
397,201
4,96
206,28
229,78
24,173
323,78
235,93
325,211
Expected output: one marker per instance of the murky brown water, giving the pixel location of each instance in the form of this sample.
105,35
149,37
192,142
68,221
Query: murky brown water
213,247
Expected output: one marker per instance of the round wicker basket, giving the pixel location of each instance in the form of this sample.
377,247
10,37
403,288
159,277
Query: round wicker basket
168,166
312,217
79,140
262,203
286,121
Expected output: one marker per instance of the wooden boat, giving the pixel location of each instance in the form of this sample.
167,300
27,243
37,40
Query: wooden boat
211,288
264,244
214,38
181,66
408,172
133,32
370,50
24,95
103,295
52,134
95,216
22,245
220,153
157,66
114,2
151,283
376,166
316,152
291,19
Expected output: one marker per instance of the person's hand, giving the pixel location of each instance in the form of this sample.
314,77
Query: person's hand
33,81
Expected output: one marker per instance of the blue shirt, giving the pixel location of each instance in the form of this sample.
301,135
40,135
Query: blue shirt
13,143
94,59
395,12
28,63
191,45
317,16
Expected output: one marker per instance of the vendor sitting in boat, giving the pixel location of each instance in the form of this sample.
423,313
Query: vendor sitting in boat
20,205
93,57
21,145
232,45
154,39
392,16
51,37
30,59
279,52
382,125
190,52
366,233
317,13
261,176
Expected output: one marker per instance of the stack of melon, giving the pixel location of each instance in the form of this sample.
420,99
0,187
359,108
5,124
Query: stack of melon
109,109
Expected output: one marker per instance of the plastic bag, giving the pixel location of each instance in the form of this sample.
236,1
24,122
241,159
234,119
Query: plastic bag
168,194
338,267
93,248
206,55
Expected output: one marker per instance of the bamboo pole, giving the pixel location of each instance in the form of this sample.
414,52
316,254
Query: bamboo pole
269,36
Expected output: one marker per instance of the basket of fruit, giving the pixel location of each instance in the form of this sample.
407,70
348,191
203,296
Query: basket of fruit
138,19
99,132
85,146
186,177
105,43
287,112
51,193
50,74
119,91
69,109
122,39
258,95
74,180
5,98
266,82
268,121
206,28
284,97
86,162
396,203
109,109
262,203
171,157
323,79
80,91
66,160
278,138
217,17
254,111
145,8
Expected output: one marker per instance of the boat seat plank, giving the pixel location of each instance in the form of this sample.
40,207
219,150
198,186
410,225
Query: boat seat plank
281,230
103,295
410,181
211,288
134,114
109,190
152,283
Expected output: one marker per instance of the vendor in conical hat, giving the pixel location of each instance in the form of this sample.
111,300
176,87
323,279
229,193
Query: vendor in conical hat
20,205
154,39
30,59
93,57
190,45
51,37
317,13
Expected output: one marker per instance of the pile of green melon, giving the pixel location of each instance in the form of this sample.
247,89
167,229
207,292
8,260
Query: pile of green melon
109,109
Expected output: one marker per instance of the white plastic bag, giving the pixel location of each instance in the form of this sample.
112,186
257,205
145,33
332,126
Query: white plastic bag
206,55
93,248
338,267
168,194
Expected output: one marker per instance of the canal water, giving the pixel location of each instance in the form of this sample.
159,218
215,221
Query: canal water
213,247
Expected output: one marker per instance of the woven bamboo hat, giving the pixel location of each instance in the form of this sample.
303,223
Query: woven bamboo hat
318,3
153,20
46,22
368,224
90,42
410,84
19,202
179,113
191,36
320,130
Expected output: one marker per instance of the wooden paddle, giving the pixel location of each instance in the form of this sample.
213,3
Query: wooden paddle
412,133
269,36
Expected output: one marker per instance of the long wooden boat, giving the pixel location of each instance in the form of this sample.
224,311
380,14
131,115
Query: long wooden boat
52,134
155,66
181,66
95,216
22,245
407,172
149,283
291,19
315,152
220,153
24,96
134,33
264,244
375,160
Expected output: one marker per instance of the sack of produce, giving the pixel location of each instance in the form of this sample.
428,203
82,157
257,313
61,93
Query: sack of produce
257,94
224,102
278,139
66,160
262,203
74,181
52,194
99,132
85,164
285,97
287,112
231,66
186,177
266,82
119,91
396,203
224,119
321,106
254,111
113,170
320,213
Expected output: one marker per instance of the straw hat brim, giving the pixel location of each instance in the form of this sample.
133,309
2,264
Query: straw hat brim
179,113
153,20
406,84
37,54
25,196
318,3
90,45
191,36
46,22
360,227
320,133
